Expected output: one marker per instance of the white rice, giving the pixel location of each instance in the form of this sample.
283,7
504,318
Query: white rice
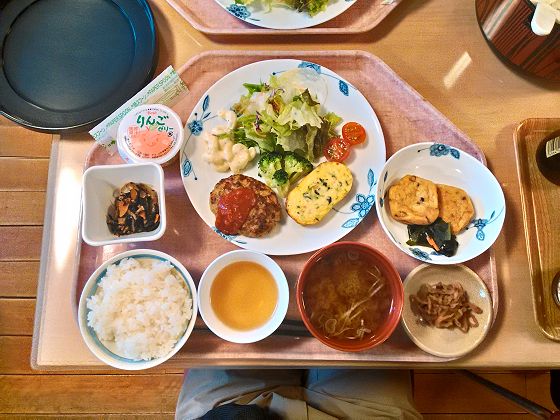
141,308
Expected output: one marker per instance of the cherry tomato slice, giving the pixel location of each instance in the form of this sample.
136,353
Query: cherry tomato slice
337,150
353,133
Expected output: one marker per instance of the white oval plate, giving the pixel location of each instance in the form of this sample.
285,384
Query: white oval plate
283,17
444,164
439,341
365,161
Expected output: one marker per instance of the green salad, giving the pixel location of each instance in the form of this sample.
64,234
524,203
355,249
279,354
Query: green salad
312,7
282,119
282,115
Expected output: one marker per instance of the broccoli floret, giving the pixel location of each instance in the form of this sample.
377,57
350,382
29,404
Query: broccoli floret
269,163
280,170
281,182
296,166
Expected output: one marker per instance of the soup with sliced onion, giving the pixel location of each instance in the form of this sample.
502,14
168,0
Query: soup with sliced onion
346,296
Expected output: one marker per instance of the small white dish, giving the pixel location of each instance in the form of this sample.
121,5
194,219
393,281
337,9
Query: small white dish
99,186
88,334
439,341
443,164
205,304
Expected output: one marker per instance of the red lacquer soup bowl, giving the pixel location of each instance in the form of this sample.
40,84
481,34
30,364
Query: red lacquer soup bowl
350,296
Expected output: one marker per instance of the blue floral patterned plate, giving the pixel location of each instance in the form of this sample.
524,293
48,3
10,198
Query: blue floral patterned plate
365,161
283,17
444,164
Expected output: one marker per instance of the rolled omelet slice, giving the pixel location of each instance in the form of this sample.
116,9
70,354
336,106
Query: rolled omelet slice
310,201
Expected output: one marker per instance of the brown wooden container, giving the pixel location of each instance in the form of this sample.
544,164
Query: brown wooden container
506,25
539,199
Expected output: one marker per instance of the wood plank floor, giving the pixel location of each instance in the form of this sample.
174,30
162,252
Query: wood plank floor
28,394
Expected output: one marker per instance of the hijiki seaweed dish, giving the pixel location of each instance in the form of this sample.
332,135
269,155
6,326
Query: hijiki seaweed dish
135,210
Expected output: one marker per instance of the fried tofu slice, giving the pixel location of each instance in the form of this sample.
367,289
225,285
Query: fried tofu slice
414,201
455,207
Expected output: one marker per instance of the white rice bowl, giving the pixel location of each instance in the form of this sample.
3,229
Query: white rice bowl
141,308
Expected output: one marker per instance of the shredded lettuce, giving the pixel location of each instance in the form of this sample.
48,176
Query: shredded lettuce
284,115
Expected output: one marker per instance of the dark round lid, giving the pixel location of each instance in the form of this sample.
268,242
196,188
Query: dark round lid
67,64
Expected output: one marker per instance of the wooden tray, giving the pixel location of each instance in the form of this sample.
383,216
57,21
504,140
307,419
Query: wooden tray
405,118
540,199
209,17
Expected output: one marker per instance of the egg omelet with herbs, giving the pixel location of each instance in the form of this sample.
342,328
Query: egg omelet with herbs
311,200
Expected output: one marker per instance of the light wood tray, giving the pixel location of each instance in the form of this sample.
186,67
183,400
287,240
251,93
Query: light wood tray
405,118
540,199
209,17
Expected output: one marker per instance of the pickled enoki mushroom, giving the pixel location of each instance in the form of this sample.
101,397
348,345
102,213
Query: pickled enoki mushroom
444,306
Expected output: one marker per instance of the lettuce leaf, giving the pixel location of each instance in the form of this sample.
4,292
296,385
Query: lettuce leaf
294,141
298,114
310,140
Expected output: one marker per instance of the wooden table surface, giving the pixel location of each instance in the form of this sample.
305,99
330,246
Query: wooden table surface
436,47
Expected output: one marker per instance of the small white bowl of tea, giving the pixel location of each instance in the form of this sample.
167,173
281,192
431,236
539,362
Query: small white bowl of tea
243,296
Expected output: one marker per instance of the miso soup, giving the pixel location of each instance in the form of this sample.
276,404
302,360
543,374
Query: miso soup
346,296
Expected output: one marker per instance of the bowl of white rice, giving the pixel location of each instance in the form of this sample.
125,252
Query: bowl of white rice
137,309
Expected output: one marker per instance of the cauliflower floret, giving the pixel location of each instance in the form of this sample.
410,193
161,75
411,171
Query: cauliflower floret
231,120
242,155
222,152
214,153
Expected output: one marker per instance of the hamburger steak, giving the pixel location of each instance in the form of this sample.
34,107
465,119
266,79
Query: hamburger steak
264,215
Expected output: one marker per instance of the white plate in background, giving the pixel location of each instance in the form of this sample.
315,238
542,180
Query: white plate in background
283,17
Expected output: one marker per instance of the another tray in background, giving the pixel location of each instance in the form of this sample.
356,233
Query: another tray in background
540,199
210,18
405,117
